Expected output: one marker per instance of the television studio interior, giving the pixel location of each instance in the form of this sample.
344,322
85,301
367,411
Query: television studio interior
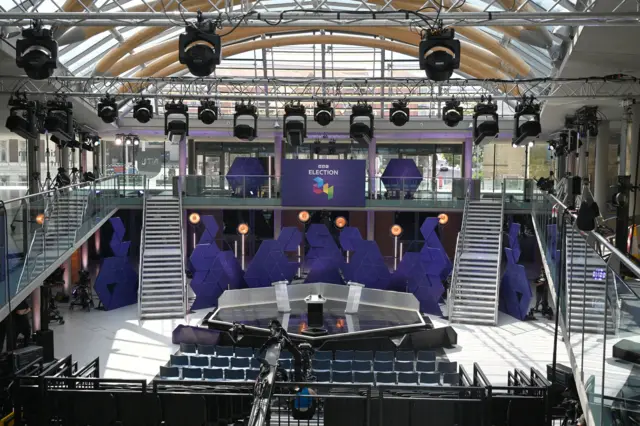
305,212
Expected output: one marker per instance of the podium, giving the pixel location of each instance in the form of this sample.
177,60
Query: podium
315,315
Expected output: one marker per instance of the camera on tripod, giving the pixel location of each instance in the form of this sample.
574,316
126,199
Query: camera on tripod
81,293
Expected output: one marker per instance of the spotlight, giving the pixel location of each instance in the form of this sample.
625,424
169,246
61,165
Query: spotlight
200,48
87,141
452,113
340,222
243,229
194,218
127,140
118,140
361,123
487,110
295,124
304,216
96,141
23,116
323,113
40,219
443,218
439,53
531,128
396,230
143,111
248,130
207,111
108,109
136,141
399,114
37,52
176,128
59,121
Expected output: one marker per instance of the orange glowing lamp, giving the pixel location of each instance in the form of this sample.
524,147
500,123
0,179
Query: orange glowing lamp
340,222
243,229
40,219
396,230
304,216
443,218
194,218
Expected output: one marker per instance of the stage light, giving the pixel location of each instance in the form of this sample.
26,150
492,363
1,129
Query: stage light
108,109
40,219
452,113
118,140
23,117
136,141
294,129
199,47
194,218
59,121
37,52
176,128
361,123
323,113
399,114
396,230
530,129
340,222
488,128
143,111
443,218
304,216
439,53
96,141
87,141
248,130
243,229
207,111
128,140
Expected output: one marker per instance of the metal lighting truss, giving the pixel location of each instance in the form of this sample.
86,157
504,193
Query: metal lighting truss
329,19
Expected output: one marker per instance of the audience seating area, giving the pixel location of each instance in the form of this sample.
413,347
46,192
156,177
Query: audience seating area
380,368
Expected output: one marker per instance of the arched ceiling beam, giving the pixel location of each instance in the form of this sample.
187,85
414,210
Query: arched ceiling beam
515,5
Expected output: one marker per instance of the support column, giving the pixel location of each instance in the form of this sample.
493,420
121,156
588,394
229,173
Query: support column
625,146
34,175
67,276
582,163
103,158
64,158
182,156
467,158
277,171
561,166
600,186
634,204
36,308
373,189
191,157
571,163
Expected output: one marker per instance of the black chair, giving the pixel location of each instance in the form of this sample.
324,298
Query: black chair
384,377
382,366
451,379
244,352
361,365
183,409
321,365
230,374
425,366
363,377
199,361
405,356
342,377
239,362
224,351
384,356
251,374
169,372
403,366
363,356
221,362
323,355
447,367
213,373
429,378
344,355
206,350
187,348
429,356
192,373
179,360
322,376
408,378
254,363
341,366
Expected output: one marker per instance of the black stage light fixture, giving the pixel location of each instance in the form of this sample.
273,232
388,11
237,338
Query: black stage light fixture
399,113
323,113
489,126
37,52
108,109
294,127
245,121
86,141
529,130
439,53
96,141
59,122
207,111
361,123
452,113
23,117
200,47
143,111
177,128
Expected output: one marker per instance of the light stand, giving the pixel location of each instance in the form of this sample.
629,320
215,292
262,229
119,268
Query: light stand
46,185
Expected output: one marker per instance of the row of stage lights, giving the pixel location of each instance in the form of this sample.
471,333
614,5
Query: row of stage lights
127,140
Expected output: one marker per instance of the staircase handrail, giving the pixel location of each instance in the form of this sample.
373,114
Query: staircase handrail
92,190
499,269
54,190
182,259
459,249
142,243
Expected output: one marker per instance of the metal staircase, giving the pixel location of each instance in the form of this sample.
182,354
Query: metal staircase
475,284
162,291
586,287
